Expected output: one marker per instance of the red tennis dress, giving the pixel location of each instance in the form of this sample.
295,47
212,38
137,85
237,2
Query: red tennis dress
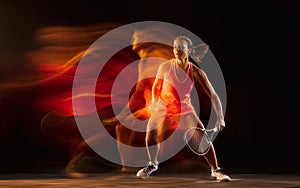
176,90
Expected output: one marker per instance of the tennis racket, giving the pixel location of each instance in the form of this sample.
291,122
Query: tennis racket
199,140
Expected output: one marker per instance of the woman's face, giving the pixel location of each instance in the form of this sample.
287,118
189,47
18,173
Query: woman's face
180,49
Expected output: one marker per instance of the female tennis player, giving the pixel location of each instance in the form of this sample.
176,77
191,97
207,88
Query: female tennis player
171,101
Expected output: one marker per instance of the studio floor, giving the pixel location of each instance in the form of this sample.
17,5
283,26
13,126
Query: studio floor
174,180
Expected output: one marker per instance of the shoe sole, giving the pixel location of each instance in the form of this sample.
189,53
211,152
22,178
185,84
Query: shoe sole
223,180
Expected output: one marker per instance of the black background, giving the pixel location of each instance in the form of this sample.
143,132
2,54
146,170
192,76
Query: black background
254,42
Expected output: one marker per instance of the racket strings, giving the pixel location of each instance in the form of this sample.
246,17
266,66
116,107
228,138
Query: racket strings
198,141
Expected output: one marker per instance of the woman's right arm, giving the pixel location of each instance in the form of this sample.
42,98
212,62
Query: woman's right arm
158,83
157,104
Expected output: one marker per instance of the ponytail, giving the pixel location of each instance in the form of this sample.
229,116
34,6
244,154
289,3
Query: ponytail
199,54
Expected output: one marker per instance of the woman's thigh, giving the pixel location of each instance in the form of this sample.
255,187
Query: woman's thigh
190,120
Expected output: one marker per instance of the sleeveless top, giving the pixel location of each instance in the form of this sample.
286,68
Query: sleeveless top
176,90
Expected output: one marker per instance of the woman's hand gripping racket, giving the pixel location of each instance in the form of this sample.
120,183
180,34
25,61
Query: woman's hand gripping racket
199,140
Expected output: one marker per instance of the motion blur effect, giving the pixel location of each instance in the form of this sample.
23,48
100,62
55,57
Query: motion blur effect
49,80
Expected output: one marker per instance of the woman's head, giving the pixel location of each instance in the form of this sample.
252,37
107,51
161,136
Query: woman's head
183,48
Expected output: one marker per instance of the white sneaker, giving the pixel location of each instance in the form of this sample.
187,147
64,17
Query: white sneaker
219,175
146,171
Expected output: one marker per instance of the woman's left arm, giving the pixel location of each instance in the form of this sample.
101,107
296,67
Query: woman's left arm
201,78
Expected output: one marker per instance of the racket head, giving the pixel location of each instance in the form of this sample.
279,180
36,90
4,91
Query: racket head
198,140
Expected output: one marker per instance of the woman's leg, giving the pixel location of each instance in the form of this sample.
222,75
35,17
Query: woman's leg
156,132
192,120
156,128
